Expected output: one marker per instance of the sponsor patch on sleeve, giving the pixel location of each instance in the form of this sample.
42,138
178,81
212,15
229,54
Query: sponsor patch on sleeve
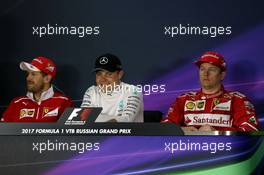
252,120
249,105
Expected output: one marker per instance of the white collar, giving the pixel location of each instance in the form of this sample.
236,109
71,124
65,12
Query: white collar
44,95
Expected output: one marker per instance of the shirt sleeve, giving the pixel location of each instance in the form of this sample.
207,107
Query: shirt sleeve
133,108
87,98
66,104
175,113
9,113
244,115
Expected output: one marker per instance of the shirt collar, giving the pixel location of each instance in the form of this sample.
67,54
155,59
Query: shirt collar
216,94
44,96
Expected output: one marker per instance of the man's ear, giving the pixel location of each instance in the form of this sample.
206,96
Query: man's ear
120,74
47,79
223,74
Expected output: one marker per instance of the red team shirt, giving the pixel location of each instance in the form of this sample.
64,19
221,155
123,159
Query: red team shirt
26,109
223,110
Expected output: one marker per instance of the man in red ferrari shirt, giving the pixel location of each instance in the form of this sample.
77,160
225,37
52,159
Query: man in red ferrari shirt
41,103
213,108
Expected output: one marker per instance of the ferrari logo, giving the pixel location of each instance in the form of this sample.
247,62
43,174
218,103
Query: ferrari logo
216,101
46,110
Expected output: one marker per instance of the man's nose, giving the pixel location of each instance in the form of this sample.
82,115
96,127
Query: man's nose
102,77
205,72
29,77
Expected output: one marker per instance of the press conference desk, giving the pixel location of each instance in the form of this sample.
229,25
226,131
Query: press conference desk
223,133
215,133
106,129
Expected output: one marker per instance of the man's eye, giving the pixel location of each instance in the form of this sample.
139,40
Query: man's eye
212,70
98,73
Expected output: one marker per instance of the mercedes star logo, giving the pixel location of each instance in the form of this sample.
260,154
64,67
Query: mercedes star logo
103,60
